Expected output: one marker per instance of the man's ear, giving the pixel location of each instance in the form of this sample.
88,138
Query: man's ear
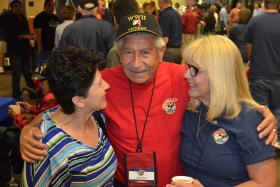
161,52
78,101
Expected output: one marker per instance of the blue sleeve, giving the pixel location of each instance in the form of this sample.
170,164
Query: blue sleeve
252,149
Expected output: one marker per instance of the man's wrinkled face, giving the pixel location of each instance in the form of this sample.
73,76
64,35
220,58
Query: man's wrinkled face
140,57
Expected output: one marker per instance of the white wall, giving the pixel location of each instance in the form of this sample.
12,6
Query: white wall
30,11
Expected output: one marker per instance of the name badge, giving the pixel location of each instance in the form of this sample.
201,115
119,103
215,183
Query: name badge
141,169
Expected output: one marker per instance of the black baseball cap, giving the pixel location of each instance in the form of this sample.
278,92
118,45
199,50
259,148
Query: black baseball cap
138,23
88,4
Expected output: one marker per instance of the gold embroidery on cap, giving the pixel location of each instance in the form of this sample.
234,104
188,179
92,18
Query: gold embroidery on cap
141,17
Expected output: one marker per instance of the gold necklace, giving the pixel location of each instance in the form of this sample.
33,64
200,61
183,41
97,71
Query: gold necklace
200,126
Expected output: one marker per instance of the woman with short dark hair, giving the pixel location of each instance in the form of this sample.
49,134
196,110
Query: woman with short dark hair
79,152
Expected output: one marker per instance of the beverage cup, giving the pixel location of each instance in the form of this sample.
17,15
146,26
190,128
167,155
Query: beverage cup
182,179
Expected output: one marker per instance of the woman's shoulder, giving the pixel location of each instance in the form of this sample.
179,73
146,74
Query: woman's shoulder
249,112
47,123
248,118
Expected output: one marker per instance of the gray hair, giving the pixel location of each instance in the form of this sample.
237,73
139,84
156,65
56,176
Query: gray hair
158,41
89,12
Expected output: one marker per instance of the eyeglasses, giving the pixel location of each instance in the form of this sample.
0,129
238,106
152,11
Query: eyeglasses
193,70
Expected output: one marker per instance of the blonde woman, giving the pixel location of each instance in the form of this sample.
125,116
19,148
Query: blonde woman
220,145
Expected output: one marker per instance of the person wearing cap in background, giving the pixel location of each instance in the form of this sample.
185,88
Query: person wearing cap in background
88,31
9,137
48,101
146,103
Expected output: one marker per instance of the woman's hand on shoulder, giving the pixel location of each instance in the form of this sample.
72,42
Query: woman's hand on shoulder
268,127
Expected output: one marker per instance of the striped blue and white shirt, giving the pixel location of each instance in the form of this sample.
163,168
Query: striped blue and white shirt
70,162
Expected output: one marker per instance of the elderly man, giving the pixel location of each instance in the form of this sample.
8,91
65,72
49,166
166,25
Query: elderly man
88,31
146,103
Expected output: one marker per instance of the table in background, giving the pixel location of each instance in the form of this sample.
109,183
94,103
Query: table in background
5,119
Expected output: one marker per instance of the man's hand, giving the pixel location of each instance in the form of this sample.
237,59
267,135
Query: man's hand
32,150
25,107
14,110
268,126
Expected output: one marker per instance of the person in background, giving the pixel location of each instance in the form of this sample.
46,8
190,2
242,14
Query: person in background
224,18
214,9
121,9
67,16
47,102
257,9
220,146
171,25
3,50
209,22
264,53
178,9
155,9
9,136
87,158
101,9
189,23
3,45
233,14
103,12
198,11
237,32
45,24
147,8
18,48
142,74
88,31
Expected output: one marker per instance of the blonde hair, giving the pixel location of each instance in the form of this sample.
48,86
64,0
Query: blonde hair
229,87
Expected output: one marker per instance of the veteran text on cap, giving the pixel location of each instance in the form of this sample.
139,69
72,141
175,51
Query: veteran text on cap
138,23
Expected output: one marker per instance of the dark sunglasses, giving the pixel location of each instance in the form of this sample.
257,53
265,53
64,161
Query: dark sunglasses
193,70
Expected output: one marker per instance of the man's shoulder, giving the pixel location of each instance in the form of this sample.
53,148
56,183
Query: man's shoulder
40,15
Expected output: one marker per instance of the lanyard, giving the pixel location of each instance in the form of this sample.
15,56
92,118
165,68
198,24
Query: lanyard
139,146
